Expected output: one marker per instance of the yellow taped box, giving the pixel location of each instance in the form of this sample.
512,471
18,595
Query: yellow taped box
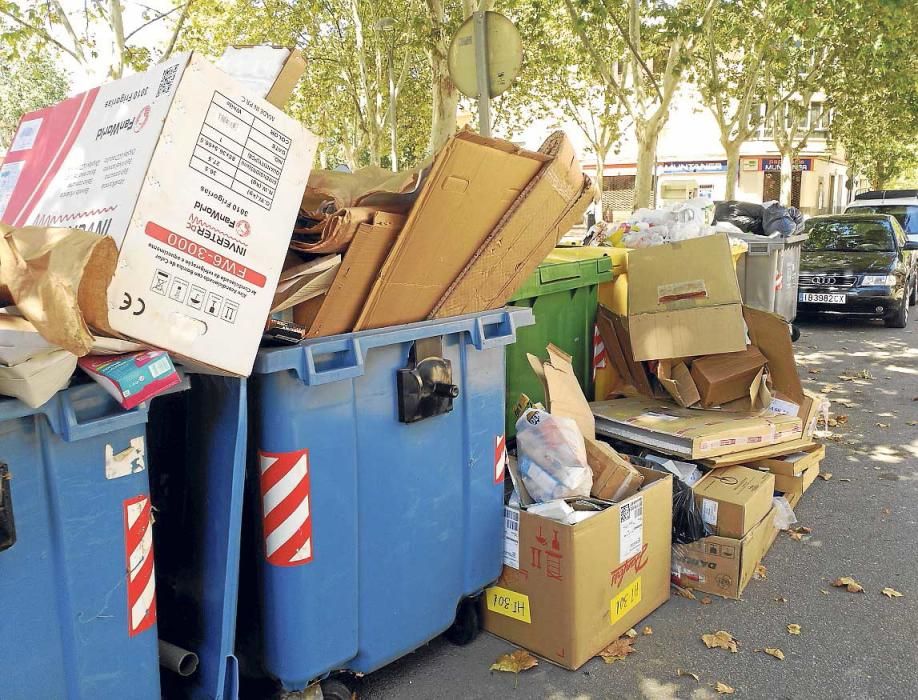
568,591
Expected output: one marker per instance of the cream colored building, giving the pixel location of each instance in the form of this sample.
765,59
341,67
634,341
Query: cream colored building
692,163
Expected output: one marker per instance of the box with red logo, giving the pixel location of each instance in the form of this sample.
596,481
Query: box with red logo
196,180
568,591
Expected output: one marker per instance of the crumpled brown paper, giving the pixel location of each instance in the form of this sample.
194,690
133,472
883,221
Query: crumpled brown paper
346,189
58,278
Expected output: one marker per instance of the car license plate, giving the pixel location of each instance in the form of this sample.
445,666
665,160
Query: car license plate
822,298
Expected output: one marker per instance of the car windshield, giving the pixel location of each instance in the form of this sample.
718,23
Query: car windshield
857,236
907,214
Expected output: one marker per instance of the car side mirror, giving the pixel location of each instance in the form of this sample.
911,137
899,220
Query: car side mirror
911,245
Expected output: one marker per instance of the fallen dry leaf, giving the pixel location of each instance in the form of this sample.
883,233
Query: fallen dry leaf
720,640
782,599
647,631
814,371
760,571
724,689
883,425
793,628
841,419
886,511
684,593
849,583
825,476
680,672
891,593
797,532
773,651
911,422
705,601
823,591
845,480
631,634
515,662
617,650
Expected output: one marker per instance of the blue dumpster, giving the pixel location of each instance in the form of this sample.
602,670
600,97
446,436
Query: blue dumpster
77,589
377,488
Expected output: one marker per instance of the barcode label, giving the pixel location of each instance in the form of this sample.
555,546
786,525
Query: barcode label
512,538
165,83
161,366
631,528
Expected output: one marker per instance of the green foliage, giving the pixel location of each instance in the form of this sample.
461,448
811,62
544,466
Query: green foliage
28,81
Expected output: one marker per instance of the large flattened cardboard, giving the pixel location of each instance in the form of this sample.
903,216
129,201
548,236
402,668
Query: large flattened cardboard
552,202
723,566
562,391
688,432
359,270
196,181
579,587
473,182
748,456
684,300
734,499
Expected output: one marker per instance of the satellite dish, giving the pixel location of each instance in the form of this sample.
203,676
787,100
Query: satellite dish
505,55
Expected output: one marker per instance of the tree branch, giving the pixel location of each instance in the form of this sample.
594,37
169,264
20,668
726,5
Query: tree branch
635,50
151,21
44,35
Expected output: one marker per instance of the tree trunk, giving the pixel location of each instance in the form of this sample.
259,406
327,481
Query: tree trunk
646,161
732,149
600,181
445,104
787,178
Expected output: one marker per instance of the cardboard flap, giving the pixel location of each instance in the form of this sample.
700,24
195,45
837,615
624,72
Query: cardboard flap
689,274
677,380
770,333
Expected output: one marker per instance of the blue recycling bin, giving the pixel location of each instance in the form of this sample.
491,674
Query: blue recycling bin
77,586
376,490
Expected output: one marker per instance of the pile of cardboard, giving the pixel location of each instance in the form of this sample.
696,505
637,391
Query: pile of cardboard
175,210
704,379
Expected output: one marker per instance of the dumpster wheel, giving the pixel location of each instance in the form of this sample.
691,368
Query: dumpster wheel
467,624
335,689
794,333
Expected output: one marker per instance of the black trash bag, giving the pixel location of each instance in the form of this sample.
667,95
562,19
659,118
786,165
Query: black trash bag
782,220
746,216
688,525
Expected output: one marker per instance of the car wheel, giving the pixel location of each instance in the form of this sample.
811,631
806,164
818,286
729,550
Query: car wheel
913,297
900,318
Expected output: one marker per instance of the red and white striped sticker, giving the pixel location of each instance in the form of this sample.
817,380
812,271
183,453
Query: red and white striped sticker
599,351
141,579
500,458
285,503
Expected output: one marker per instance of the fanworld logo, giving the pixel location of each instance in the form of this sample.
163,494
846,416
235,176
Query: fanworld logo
243,228
140,121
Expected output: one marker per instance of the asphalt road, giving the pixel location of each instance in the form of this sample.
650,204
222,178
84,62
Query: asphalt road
865,525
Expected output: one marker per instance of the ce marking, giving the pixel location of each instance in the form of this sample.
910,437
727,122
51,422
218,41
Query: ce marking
128,302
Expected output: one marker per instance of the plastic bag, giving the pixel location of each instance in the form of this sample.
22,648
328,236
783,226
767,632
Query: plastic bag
784,517
688,525
746,216
552,457
780,221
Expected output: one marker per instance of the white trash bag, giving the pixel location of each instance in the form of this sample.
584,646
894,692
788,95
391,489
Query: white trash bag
552,457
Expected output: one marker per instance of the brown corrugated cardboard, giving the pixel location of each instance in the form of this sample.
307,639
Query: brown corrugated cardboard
562,390
614,477
268,71
553,201
728,376
473,182
613,329
689,432
568,591
733,499
746,456
771,335
286,79
684,300
795,472
359,270
676,378
723,565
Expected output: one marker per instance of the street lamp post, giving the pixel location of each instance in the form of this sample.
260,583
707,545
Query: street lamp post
387,26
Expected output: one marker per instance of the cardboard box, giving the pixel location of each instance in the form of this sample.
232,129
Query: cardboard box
568,591
197,182
676,378
134,378
723,566
684,300
722,378
563,394
271,72
546,209
614,477
733,499
687,432
471,185
747,456
795,472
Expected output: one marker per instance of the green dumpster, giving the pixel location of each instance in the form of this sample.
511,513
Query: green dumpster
562,296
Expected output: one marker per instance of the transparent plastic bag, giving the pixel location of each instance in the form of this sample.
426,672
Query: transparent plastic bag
784,517
552,457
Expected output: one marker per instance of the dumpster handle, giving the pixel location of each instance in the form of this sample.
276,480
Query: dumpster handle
493,332
341,358
73,429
